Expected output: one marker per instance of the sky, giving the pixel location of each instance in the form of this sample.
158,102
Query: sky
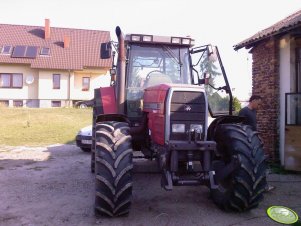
222,23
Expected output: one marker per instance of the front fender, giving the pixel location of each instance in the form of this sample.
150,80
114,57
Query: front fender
225,119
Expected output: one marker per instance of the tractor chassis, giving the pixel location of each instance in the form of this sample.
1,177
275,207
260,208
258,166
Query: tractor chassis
210,173
191,152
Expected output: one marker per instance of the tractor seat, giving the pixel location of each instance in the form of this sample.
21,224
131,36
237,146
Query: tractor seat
156,79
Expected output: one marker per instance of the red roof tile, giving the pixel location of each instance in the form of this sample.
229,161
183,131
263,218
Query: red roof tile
285,25
83,52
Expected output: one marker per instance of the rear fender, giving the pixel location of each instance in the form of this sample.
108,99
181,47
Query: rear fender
112,117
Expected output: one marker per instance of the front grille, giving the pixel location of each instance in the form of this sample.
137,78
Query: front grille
187,107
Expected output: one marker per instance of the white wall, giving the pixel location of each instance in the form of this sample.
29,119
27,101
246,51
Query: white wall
97,79
42,87
286,74
29,91
46,90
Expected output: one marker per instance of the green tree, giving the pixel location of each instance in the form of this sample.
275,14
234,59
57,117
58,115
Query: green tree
236,105
220,104
211,69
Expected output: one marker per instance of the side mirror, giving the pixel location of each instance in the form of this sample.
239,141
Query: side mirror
113,76
105,50
112,71
212,54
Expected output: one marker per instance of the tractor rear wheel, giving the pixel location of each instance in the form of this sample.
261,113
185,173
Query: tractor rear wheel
244,188
113,169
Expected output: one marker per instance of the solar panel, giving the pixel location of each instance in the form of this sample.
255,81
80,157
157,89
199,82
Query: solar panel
31,52
25,51
19,51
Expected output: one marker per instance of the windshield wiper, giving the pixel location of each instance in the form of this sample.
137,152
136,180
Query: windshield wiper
172,55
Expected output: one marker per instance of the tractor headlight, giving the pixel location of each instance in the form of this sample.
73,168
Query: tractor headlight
175,40
136,38
178,128
196,127
147,38
186,41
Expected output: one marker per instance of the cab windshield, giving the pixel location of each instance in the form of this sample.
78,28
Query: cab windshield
150,65
170,63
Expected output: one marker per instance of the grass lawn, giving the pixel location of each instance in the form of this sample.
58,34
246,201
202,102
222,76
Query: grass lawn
38,126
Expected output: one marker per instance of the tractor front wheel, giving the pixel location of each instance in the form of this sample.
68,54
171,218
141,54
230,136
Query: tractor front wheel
113,169
243,188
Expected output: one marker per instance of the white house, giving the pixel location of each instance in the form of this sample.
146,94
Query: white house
48,66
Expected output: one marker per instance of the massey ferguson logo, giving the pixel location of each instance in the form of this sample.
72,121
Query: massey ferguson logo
187,108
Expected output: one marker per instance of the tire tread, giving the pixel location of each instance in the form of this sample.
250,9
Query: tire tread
249,179
113,169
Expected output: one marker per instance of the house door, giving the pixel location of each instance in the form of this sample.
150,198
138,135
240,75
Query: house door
292,158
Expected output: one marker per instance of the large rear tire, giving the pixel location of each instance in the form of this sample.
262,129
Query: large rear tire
244,188
113,169
92,165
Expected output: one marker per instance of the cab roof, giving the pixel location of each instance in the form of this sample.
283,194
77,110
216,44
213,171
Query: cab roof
154,39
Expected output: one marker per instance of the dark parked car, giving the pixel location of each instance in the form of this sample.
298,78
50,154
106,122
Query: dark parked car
84,138
84,103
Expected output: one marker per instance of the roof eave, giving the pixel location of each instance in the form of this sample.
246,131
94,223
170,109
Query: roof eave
251,43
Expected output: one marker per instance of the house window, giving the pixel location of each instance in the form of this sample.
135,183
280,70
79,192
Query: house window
17,80
6,49
293,108
4,103
55,103
56,80
8,80
5,80
18,103
86,83
45,51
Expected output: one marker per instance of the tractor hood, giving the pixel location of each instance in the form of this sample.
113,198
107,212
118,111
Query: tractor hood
171,104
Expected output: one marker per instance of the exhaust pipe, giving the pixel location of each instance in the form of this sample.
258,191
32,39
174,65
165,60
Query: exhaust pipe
120,71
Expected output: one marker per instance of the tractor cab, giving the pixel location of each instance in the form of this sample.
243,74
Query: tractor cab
152,60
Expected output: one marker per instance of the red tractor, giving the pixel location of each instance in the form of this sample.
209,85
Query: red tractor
163,93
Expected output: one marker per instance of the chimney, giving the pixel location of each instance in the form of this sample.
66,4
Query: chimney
66,41
47,29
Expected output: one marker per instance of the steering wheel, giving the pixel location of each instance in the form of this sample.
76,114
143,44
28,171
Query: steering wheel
148,74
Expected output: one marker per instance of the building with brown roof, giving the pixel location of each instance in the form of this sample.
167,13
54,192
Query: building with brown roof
276,71
49,66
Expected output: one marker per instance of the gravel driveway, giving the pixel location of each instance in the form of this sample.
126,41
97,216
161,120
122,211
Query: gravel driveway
53,186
